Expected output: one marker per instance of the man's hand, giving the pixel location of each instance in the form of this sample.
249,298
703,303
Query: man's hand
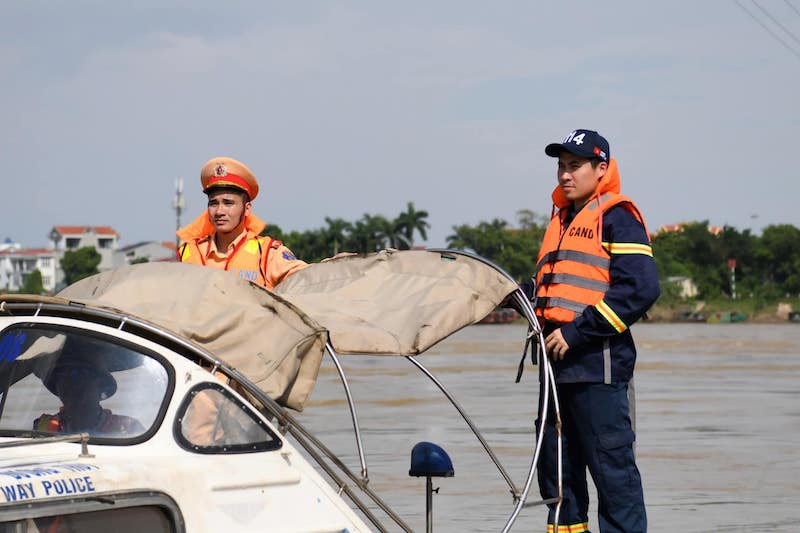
556,345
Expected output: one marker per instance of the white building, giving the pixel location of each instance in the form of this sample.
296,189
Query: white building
16,264
63,239
104,239
149,250
686,286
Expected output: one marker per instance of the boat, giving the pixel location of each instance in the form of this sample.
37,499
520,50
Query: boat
727,317
688,316
500,316
192,377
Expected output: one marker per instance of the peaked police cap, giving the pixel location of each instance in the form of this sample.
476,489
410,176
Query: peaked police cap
228,172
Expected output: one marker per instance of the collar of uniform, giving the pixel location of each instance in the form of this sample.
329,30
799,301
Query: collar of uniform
201,227
212,245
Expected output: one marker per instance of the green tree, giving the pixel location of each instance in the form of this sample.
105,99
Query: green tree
274,231
778,251
79,264
693,252
486,239
317,244
335,235
140,260
513,249
668,251
705,255
33,283
408,223
371,233
764,266
531,221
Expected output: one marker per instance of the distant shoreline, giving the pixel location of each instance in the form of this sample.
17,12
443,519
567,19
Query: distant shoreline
727,312
734,312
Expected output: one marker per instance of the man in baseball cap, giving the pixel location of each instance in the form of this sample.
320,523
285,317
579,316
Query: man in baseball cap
595,277
228,235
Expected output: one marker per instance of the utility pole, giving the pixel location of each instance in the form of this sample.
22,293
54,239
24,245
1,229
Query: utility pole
178,204
732,267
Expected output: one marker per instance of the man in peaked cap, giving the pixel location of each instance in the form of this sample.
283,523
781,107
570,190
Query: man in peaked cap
227,236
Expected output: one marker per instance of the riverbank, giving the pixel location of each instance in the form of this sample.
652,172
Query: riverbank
742,310
722,311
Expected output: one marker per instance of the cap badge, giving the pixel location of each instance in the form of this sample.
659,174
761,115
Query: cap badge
220,170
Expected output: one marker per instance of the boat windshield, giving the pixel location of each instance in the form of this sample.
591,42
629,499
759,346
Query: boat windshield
65,381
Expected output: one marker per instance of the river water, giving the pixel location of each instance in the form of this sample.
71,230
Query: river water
718,426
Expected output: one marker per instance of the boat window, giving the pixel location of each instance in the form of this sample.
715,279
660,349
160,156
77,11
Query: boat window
213,421
65,380
148,518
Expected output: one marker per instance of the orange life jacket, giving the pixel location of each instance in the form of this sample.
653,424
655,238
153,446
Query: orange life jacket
572,270
248,259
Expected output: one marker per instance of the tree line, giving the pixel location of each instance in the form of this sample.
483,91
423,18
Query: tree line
720,264
767,266
368,234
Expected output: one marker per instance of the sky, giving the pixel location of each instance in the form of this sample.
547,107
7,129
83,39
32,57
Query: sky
352,107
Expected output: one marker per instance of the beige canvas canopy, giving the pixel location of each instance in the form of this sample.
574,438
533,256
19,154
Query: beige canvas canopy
396,302
389,303
271,342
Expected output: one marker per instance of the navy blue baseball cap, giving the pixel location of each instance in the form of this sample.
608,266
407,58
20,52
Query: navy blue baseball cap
585,143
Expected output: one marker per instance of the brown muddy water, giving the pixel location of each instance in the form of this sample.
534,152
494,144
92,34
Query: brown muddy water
718,426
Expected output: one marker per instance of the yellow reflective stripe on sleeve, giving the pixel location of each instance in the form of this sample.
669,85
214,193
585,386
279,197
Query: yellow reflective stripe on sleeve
628,248
611,316
186,253
572,528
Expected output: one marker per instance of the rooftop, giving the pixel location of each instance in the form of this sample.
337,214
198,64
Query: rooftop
78,230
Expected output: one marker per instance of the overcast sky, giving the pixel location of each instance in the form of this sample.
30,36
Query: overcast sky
345,108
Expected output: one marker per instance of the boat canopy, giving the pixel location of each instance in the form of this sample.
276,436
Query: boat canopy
388,303
267,339
396,302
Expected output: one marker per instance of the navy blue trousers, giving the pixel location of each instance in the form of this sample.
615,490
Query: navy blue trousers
596,436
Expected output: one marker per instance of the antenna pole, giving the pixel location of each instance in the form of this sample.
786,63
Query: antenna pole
178,204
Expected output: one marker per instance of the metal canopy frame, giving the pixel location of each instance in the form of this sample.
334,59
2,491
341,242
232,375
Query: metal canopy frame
547,388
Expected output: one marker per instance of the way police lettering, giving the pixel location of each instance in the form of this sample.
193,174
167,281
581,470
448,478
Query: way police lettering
587,233
56,487
76,485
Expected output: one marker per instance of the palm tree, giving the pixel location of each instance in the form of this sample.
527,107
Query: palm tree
486,239
336,233
371,234
409,222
